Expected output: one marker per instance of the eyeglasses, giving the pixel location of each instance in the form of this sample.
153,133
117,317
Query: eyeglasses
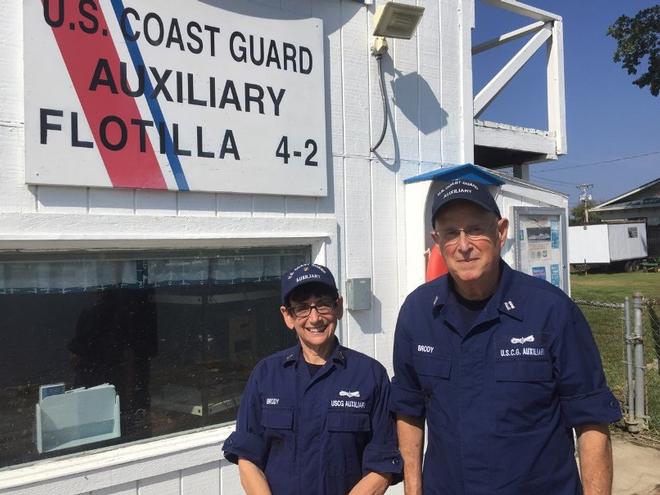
323,308
472,232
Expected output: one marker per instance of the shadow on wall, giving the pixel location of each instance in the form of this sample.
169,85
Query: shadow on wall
413,96
424,111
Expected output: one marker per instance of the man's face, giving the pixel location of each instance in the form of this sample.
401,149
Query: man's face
470,240
314,320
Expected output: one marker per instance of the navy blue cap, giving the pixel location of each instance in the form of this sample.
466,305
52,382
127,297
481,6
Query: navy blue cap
305,274
467,190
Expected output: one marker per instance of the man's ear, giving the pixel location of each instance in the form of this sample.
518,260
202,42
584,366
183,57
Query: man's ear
339,308
287,317
502,229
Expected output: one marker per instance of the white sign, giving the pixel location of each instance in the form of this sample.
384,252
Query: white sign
173,95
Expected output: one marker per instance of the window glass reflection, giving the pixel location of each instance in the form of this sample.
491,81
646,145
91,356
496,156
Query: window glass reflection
114,347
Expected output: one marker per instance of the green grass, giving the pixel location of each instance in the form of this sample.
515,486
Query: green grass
613,287
608,329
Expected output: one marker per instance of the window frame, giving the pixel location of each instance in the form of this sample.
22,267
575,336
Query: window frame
186,448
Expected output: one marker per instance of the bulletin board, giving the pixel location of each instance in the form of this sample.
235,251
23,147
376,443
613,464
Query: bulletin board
541,244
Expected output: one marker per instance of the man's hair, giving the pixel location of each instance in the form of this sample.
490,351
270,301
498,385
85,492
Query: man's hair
311,289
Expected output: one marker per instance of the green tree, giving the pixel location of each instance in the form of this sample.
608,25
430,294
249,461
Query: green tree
577,216
638,38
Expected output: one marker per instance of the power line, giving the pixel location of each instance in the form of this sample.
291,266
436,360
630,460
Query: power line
555,181
601,162
543,179
550,182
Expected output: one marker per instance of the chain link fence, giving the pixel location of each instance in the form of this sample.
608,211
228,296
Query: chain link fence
653,367
637,386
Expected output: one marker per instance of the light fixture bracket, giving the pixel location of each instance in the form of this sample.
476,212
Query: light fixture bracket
379,46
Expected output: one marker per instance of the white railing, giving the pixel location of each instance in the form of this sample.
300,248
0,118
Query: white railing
546,29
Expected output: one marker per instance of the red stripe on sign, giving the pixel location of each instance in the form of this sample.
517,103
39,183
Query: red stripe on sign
108,110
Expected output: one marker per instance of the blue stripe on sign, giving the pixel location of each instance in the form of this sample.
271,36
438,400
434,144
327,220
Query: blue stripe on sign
156,112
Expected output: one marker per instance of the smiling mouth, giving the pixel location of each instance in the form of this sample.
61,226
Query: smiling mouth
316,329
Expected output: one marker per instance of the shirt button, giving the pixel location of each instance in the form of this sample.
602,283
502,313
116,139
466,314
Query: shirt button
612,403
395,461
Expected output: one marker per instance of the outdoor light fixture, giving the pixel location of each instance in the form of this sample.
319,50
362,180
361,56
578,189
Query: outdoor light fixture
392,20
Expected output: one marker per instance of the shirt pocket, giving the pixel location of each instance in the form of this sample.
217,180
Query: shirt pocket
340,421
524,395
277,425
433,366
523,370
349,433
277,418
434,374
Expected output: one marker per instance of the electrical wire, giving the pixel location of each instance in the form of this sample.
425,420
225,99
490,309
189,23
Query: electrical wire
601,162
386,108
555,181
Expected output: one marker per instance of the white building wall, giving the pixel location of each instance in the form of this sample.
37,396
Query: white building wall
358,229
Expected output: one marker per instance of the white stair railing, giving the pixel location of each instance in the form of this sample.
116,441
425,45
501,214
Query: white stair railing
547,29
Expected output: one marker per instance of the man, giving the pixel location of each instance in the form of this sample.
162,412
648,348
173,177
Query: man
501,366
314,419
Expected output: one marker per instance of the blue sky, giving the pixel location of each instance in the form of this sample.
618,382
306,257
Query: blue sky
608,118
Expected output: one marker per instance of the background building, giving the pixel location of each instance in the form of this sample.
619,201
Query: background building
641,203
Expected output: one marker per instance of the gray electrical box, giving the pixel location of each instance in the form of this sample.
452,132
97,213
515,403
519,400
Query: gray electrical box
358,293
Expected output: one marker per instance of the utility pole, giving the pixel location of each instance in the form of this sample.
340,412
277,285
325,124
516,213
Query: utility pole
585,197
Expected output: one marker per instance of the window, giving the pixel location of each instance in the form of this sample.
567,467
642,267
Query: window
112,347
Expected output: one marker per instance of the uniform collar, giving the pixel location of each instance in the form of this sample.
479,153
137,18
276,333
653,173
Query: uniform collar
294,355
510,295
507,299
441,292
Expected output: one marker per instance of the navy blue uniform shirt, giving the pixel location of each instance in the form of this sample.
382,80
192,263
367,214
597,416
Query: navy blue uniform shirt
500,398
316,435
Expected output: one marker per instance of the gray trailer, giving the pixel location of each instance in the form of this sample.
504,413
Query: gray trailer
621,244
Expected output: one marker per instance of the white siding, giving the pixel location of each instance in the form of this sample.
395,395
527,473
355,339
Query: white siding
358,229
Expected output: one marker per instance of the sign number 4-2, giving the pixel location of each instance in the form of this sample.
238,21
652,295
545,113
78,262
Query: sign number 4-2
283,151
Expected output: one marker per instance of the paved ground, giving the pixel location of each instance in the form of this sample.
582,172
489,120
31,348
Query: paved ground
636,469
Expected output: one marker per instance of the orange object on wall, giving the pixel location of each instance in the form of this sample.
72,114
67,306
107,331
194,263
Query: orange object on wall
435,264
